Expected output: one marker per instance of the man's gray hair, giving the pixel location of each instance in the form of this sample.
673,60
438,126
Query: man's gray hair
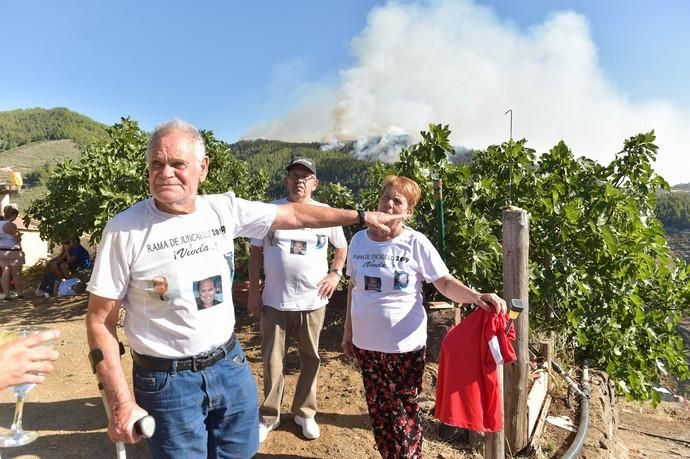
178,125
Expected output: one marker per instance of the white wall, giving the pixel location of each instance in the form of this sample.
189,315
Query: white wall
34,247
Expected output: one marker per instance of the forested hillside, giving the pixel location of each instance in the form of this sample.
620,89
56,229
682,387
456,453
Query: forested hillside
35,161
271,156
24,126
673,209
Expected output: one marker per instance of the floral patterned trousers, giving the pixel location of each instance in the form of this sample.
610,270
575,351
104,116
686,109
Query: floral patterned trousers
392,383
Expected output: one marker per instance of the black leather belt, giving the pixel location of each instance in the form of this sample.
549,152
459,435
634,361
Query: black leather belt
196,363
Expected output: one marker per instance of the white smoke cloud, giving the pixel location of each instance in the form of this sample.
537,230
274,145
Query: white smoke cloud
386,147
457,63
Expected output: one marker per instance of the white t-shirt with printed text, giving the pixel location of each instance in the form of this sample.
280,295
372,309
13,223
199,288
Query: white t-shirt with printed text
154,261
294,262
387,309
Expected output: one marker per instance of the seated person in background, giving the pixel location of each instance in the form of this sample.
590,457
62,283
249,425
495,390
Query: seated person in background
53,265
50,284
73,257
45,288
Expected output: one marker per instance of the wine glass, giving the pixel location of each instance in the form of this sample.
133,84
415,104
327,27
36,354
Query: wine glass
17,436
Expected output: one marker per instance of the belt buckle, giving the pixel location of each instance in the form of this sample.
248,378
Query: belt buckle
201,359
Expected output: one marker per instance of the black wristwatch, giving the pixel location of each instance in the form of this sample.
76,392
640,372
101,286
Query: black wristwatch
360,216
339,272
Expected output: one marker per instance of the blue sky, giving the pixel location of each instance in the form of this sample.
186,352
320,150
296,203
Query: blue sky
589,72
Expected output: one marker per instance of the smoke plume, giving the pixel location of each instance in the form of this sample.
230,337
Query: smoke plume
457,63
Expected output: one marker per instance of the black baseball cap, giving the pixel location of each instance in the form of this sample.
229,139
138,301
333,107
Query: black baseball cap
306,162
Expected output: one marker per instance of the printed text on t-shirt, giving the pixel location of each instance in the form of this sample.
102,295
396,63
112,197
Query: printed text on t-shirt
377,260
186,239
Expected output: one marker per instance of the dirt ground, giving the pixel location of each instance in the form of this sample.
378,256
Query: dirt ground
68,414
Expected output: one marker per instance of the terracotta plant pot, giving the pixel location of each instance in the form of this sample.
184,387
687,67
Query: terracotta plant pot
240,292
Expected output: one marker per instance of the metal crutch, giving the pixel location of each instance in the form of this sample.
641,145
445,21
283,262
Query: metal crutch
145,426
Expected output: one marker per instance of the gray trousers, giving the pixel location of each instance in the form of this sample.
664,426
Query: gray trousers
275,326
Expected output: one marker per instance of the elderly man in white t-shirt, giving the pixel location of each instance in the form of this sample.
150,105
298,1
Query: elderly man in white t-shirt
190,372
298,285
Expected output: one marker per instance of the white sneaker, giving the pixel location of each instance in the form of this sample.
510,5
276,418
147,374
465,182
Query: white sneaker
310,429
264,429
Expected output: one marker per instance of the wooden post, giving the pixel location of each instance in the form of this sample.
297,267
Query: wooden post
535,399
516,285
512,380
546,349
457,315
494,442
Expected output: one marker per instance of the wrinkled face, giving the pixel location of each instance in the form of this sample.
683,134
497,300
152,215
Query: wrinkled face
300,183
175,173
207,292
392,201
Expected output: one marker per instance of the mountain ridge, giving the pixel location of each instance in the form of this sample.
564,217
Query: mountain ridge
24,126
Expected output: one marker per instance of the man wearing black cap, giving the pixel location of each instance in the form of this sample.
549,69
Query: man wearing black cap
298,284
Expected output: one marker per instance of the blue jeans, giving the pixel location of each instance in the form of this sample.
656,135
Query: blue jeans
212,413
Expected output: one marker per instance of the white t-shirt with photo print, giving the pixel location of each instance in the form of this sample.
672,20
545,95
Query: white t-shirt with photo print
387,306
294,262
142,244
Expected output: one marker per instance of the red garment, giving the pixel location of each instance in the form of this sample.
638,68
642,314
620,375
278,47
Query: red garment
467,392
